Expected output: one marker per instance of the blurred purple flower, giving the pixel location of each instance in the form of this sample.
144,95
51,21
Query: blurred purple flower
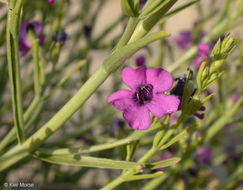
203,53
24,44
146,95
203,155
140,60
184,39
51,1
234,96
60,37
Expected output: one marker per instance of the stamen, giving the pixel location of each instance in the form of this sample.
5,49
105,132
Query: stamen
143,94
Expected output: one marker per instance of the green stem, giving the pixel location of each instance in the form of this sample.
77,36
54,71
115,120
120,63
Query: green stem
35,54
122,178
89,149
13,64
128,32
148,155
144,26
10,137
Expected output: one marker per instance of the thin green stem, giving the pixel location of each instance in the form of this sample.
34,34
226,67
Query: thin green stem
13,66
144,26
35,54
128,32
89,149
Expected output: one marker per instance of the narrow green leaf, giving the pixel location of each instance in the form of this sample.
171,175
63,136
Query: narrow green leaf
174,140
207,98
153,8
145,176
86,161
163,164
181,8
14,75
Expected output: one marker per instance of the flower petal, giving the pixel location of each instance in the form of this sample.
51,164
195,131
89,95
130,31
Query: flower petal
137,117
184,39
37,26
42,38
121,99
134,77
160,79
163,104
203,50
23,31
196,62
23,49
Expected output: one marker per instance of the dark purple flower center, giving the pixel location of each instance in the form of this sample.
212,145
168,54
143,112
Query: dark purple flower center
143,94
30,27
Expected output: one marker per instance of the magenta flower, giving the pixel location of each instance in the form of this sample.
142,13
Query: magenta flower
24,44
203,53
146,95
51,1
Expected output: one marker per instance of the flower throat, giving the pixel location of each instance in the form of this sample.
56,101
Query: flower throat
143,94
